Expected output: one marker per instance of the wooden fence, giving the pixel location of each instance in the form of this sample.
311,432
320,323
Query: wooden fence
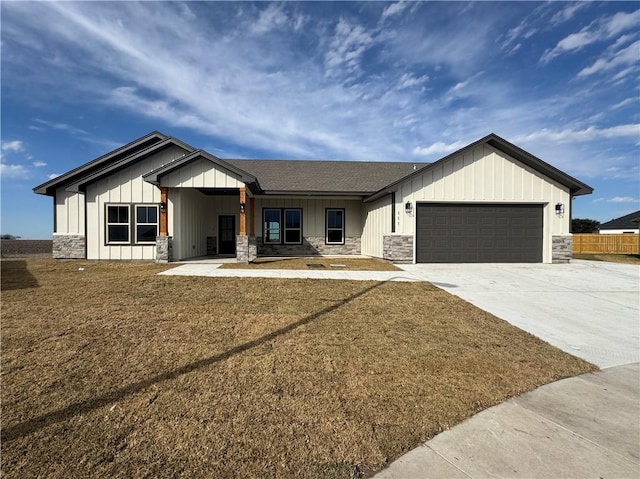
618,243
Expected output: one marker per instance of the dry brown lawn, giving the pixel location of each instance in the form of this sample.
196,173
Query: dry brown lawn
611,258
113,371
352,264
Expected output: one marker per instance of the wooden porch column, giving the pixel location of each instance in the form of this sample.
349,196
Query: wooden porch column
243,215
252,204
164,193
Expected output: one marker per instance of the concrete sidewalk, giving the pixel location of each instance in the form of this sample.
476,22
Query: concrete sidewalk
214,270
587,426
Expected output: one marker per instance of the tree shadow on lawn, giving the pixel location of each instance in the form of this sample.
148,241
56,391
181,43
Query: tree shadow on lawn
15,275
27,427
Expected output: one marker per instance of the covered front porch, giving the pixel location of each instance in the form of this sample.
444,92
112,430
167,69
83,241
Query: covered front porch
205,210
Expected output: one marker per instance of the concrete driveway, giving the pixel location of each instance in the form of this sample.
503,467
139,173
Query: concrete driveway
589,309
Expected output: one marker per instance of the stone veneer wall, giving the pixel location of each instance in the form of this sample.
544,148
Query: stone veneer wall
246,249
212,245
398,248
561,248
311,246
164,249
69,246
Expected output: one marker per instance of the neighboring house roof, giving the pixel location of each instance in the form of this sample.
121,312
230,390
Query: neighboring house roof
575,186
290,176
307,176
629,221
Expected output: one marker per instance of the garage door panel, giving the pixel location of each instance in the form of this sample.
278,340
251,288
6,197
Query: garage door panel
473,233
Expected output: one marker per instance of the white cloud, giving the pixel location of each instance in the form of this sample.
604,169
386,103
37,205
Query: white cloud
567,13
591,133
625,102
394,9
271,18
58,126
53,175
438,148
409,80
622,199
39,164
627,56
596,32
347,46
13,171
15,145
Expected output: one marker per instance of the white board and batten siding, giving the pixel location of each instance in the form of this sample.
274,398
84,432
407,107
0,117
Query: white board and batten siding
69,213
485,175
123,187
313,213
377,224
201,173
193,216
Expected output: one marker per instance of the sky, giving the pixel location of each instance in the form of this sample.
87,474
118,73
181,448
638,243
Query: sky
376,81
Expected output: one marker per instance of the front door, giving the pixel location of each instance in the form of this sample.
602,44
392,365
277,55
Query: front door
226,234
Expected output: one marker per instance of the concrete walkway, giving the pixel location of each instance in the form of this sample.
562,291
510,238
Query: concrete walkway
588,426
214,270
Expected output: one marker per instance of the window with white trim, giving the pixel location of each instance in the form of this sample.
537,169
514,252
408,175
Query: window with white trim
271,228
118,230
334,226
146,223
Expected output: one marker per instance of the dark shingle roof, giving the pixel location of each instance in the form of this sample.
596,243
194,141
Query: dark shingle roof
354,177
624,222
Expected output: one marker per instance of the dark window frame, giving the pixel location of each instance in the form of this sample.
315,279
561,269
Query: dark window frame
136,223
282,230
343,229
132,224
107,224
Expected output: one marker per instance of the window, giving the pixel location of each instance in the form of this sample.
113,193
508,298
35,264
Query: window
335,226
282,225
293,226
118,224
146,224
271,229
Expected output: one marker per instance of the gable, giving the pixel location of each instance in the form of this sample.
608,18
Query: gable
104,161
201,173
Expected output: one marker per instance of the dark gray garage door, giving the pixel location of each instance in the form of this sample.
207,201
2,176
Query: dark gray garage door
474,233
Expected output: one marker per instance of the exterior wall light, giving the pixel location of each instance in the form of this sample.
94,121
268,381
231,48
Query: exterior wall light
242,206
408,208
559,209
163,206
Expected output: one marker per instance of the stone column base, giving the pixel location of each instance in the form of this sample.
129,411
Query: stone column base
69,246
398,248
561,248
164,249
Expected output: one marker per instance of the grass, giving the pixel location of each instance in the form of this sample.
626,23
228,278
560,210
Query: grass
109,370
353,264
611,258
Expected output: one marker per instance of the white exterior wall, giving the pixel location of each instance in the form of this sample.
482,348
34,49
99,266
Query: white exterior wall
193,216
485,175
377,223
201,173
125,187
313,213
69,212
